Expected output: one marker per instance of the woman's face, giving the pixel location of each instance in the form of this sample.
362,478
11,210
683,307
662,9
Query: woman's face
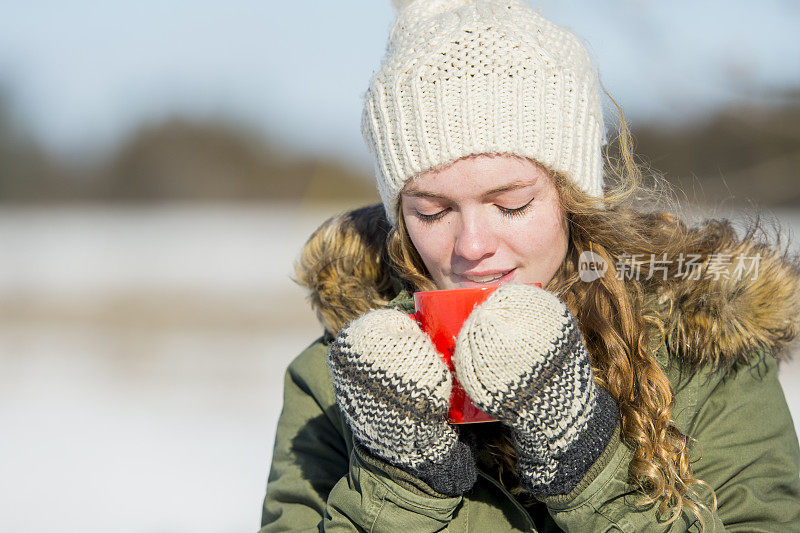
486,220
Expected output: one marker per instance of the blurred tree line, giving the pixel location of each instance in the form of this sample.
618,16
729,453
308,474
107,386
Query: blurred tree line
741,153
176,159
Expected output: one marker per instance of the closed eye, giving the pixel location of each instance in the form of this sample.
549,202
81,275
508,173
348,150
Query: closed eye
518,211
430,219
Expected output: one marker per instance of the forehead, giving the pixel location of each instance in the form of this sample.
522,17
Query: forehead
483,174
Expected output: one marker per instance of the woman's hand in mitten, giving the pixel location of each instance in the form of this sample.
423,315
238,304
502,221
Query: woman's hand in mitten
521,358
394,391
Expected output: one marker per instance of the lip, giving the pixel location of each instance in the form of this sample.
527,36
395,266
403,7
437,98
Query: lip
463,282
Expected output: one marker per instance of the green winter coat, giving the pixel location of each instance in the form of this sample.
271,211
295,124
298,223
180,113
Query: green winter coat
745,446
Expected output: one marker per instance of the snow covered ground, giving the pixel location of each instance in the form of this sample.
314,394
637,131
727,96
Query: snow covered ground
141,363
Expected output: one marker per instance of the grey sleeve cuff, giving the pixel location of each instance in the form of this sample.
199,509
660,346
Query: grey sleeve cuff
453,476
576,462
457,472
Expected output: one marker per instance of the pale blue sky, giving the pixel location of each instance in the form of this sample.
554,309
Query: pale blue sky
82,76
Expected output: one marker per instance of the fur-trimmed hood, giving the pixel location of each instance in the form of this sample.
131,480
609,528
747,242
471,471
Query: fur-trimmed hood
707,321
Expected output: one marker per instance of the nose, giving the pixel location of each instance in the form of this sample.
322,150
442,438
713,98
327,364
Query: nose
474,237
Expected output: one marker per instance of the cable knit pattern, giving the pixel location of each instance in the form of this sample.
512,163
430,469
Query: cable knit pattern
464,77
521,358
394,391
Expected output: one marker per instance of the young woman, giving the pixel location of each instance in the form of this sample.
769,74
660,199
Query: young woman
635,391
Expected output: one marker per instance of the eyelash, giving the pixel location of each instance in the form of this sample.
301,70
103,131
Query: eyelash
510,213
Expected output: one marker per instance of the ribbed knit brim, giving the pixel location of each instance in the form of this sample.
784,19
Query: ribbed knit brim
464,77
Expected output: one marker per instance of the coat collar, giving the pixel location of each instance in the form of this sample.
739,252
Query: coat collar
715,322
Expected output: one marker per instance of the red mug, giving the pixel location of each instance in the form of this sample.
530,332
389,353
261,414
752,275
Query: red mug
441,314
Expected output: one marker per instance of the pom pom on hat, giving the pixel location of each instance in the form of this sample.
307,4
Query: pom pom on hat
400,5
432,6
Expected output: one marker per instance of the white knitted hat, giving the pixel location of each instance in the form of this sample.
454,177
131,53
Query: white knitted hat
464,77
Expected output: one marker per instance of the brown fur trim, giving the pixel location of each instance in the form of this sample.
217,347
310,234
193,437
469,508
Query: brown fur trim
717,322
343,264
721,322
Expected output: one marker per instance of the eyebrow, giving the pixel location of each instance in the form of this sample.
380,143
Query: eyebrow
514,185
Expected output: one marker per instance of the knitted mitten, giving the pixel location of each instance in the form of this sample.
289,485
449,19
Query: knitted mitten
521,358
394,391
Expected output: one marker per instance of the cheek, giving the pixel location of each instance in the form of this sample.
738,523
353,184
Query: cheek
557,231
545,238
431,244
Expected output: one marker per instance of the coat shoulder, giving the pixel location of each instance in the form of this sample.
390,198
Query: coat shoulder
309,370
